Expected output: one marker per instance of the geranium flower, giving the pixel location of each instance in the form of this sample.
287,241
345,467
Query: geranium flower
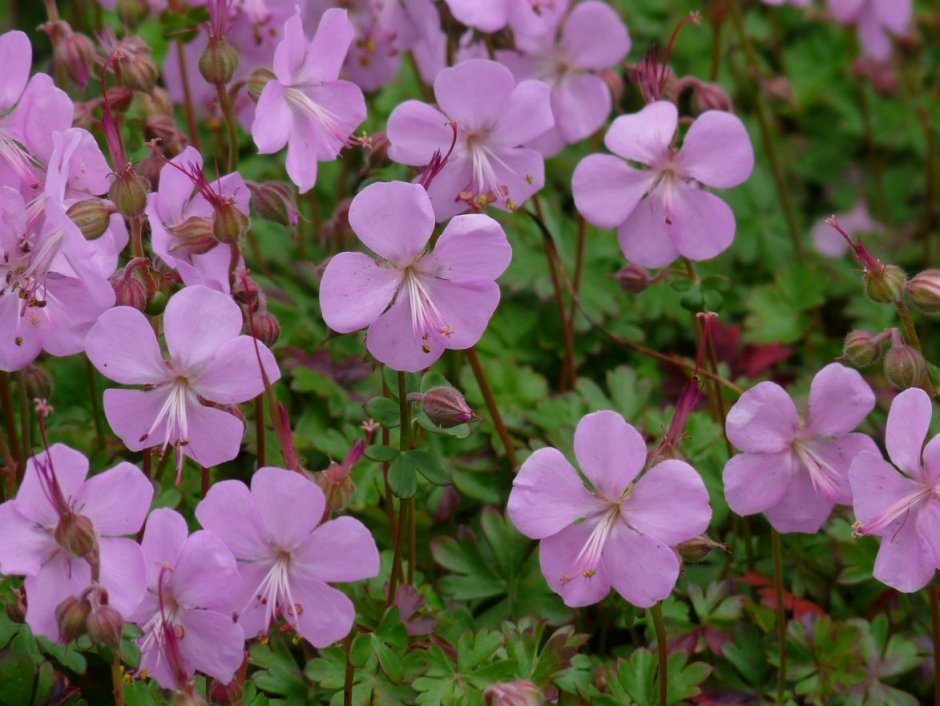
186,613
875,21
796,471
304,106
494,118
286,557
619,533
525,17
416,304
590,39
61,521
209,364
899,503
663,211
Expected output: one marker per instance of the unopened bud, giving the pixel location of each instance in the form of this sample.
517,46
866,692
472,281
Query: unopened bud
861,349
274,201
182,698
71,616
194,236
633,278
256,82
230,694
904,366
696,549
132,12
229,223
72,51
218,62
521,692
924,289
444,406
265,327
156,103
337,486
886,285
38,382
129,291
76,535
92,216
128,193
105,626
248,294
136,65
16,609
710,96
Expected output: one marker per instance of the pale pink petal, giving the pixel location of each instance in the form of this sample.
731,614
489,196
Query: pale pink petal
547,495
606,190
893,14
131,413
549,143
273,120
580,104
522,172
24,545
394,219
610,452
215,436
476,92
291,50
326,614
703,225
453,179
756,482
873,38
43,110
802,508
212,643
345,109
838,455
16,56
233,376
392,340
251,609
763,420
644,237
176,190
204,575
70,468
594,36
465,309
717,150
472,247
905,562
354,291
163,539
123,573
931,458
327,51
528,115
558,557
839,399
845,11
669,503
415,132
339,550
116,501
290,505
19,343
196,323
642,570
485,15
58,579
644,137
906,431
304,143
229,512
123,347
928,526
876,486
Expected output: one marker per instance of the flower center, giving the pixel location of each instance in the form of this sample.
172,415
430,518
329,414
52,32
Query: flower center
899,508
274,591
589,558
426,318
328,120
824,477
173,413
24,273
485,186
20,161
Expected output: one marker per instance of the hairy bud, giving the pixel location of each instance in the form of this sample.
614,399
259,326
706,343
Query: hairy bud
696,549
38,382
444,406
256,82
194,236
128,193
105,626
884,285
265,327
633,278
904,366
521,692
862,349
924,289
135,63
274,201
218,62
129,291
132,12
71,616
72,51
710,96
76,535
92,216
230,694
229,223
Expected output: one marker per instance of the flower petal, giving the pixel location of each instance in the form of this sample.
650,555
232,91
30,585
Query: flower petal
756,482
606,189
838,454
339,550
391,340
215,436
802,508
839,399
273,121
717,150
415,132
473,247
212,644
303,144
393,219
669,503
644,237
131,414
290,505
547,495
16,56
484,15
466,309
528,115
876,486
644,137
580,104
558,556
123,347
905,562
24,545
908,422
58,579
291,51
477,92
354,291
70,468
163,539
326,614
763,420
642,570
233,375
594,36
123,573
324,58
196,323
116,501
204,575
610,451
230,513
702,226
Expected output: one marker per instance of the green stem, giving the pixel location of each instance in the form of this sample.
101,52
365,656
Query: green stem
25,427
6,400
225,102
662,651
781,615
117,680
259,429
350,670
491,407
95,407
187,95
932,598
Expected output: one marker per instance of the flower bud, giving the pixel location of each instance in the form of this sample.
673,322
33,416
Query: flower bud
105,626
521,692
129,291
137,69
248,294
38,382
337,487
229,223
156,304
274,201
92,216
72,51
132,12
218,62
156,103
71,616
128,193
181,698
194,236
230,694
265,327
710,96
256,82
16,609
444,406
633,279
924,289
886,285
904,366
696,549
861,349
76,535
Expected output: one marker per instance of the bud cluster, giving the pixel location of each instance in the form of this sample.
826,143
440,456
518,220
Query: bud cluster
88,613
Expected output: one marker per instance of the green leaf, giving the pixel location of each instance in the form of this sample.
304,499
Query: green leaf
381,453
384,411
402,476
429,466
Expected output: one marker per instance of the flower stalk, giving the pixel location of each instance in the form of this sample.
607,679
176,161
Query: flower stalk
781,616
491,407
662,650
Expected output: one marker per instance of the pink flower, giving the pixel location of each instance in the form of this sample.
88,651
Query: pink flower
525,17
592,38
305,107
902,507
186,613
494,117
171,209
415,303
795,3
286,557
59,513
619,534
829,242
209,365
663,211
875,20
52,288
793,471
